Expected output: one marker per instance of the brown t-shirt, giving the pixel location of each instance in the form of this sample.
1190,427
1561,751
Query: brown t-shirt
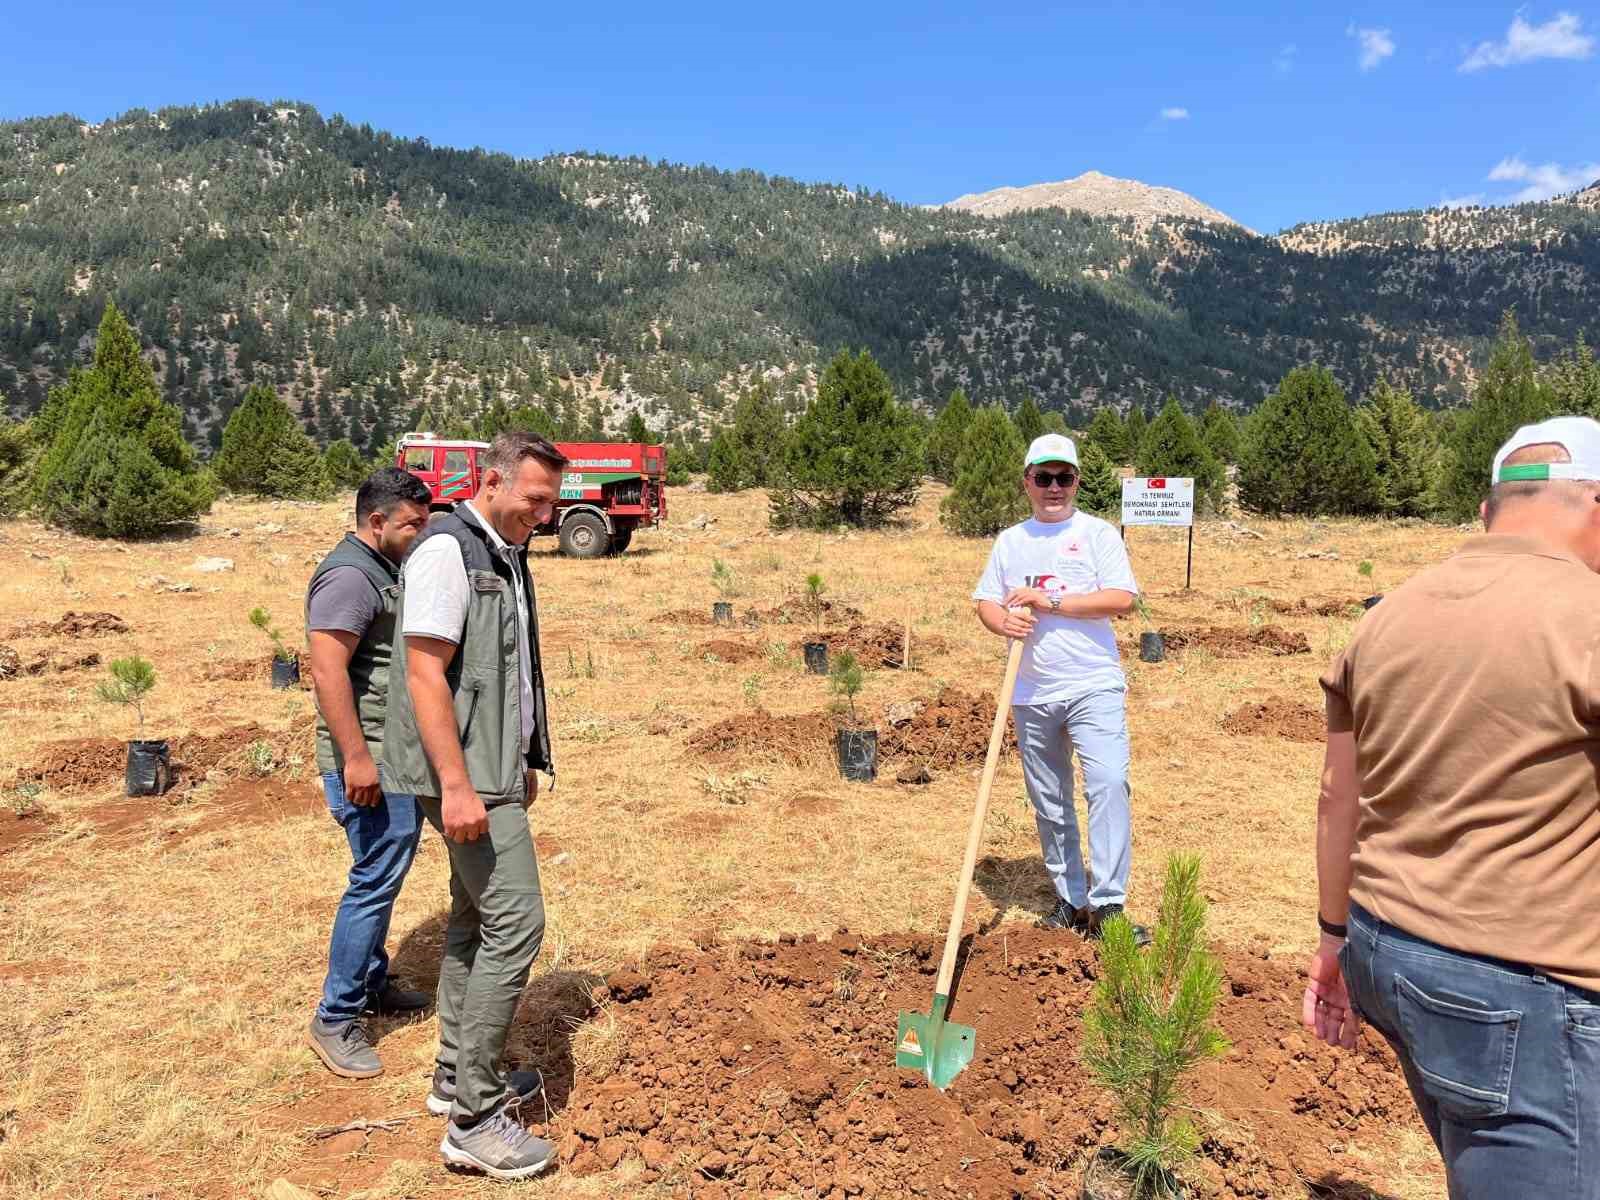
1474,693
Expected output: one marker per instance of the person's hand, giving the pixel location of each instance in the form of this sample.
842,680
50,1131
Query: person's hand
465,818
361,781
1024,597
1019,622
1326,1008
532,778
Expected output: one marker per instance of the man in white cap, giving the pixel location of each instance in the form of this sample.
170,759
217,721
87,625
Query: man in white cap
1458,831
1056,580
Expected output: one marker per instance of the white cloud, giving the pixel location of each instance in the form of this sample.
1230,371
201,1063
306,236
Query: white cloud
1174,114
1283,60
1376,45
1542,180
1559,37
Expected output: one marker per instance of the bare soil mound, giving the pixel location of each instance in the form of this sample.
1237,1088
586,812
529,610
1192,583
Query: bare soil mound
13,666
1288,719
952,730
797,610
800,738
727,651
72,624
771,1071
83,764
1312,606
880,647
1228,642
683,616
248,670
20,829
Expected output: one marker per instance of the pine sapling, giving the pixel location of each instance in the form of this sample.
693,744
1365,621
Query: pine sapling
814,589
1150,1023
845,679
722,578
131,680
262,620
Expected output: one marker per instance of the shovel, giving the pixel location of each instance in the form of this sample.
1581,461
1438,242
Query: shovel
926,1042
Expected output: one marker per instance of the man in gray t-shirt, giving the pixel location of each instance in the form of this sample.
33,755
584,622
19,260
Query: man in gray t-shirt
350,616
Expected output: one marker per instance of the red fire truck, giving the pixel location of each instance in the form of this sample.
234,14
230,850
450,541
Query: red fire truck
608,490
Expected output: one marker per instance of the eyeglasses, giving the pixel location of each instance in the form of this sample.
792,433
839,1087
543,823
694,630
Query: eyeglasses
1046,479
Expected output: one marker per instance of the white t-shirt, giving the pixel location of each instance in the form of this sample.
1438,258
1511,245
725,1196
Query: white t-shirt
1064,657
438,591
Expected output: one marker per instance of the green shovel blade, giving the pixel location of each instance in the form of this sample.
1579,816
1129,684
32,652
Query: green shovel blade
927,1043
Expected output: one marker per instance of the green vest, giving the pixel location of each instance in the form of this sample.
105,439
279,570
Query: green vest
369,665
483,678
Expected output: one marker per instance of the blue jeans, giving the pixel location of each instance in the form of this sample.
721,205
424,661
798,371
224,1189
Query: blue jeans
1503,1062
1096,726
383,841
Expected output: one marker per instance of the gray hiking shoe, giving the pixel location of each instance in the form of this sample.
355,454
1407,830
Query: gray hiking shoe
520,1086
345,1048
497,1146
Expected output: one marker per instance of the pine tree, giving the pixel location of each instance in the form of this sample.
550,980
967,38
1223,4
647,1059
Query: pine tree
1219,430
266,453
344,465
19,450
947,437
1100,491
987,495
634,429
1029,420
1509,394
1133,431
756,438
1304,452
1172,447
117,464
1574,381
1403,450
1109,433
854,456
723,473
531,419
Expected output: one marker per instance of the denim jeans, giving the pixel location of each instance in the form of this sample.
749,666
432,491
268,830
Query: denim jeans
1503,1062
383,840
1096,726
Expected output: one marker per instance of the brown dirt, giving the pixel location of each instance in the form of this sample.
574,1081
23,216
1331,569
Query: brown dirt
12,665
770,1071
727,651
1228,642
1313,606
880,647
801,738
797,610
18,831
952,730
252,670
683,616
1288,719
72,624
83,764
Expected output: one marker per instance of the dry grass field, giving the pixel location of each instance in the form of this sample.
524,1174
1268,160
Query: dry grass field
159,958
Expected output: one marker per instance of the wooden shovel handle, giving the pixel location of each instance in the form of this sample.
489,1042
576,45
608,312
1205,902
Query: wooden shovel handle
1002,711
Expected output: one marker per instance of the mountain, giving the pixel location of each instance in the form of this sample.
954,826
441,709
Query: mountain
378,281
1099,196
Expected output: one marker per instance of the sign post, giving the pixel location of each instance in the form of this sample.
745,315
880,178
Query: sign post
1161,500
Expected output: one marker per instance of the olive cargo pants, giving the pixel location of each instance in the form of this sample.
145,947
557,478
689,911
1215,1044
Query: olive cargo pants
496,927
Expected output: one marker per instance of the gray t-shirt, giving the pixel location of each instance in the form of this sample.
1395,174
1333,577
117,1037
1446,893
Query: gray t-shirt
343,600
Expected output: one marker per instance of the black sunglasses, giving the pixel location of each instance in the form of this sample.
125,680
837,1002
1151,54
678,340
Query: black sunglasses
1046,479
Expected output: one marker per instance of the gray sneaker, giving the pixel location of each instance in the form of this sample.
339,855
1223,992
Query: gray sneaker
520,1086
345,1048
497,1146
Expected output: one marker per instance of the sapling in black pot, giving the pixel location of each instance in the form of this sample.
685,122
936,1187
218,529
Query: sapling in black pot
1146,1029
149,769
722,578
1152,646
1365,570
857,747
816,650
285,662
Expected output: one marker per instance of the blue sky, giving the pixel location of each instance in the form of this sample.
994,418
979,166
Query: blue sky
1274,113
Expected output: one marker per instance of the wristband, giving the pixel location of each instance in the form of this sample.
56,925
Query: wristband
1329,928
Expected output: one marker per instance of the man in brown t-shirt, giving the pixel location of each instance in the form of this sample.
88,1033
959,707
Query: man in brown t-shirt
1458,831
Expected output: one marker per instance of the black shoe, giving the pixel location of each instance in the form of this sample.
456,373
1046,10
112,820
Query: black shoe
392,1000
1099,916
1066,916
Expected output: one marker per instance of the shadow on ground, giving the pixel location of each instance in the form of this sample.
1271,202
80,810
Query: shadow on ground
555,1008
1015,883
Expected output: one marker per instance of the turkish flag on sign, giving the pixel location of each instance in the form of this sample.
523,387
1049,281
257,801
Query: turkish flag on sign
1157,484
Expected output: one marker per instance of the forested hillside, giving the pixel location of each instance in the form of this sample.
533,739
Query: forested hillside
368,277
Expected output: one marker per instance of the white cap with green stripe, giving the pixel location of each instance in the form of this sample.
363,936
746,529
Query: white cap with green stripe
1579,436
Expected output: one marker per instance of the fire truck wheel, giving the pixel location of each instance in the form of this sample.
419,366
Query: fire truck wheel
583,535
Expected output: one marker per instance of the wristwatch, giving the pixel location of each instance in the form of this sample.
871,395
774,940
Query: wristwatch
1055,604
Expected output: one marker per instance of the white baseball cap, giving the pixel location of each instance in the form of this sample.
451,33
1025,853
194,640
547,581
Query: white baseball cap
1579,436
1052,447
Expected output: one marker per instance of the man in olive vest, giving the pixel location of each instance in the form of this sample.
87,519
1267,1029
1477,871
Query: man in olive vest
350,619
467,731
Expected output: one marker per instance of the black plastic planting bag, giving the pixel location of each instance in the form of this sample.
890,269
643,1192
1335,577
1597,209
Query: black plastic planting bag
149,770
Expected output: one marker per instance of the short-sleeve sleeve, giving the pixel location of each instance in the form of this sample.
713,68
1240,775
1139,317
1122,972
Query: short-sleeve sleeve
1335,683
342,600
436,591
1111,563
992,583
